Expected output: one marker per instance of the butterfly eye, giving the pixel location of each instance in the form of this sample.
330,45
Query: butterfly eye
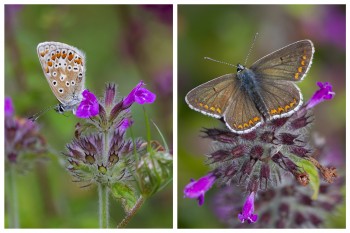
60,90
75,68
69,67
57,51
54,82
54,74
67,84
73,83
62,78
46,47
80,74
64,51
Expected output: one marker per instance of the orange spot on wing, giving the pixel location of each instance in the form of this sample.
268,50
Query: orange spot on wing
70,56
53,57
49,63
296,76
212,109
304,57
64,55
206,106
302,63
47,69
218,110
58,55
300,69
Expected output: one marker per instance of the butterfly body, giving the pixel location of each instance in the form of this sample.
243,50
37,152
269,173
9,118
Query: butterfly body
64,68
265,91
250,85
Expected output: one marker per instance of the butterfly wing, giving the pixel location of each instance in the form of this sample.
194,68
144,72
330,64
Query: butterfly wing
289,63
212,98
282,98
64,69
242,116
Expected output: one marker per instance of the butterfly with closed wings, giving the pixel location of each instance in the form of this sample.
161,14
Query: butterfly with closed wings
64,69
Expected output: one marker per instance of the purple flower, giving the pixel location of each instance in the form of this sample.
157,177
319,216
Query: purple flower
247,210
139,95
324,93
8,106
197,189
89,106
125,124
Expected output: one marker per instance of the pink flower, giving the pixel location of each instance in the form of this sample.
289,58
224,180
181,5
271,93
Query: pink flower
324,93
125,124
139,95
9,109
197,189
247,210
89,106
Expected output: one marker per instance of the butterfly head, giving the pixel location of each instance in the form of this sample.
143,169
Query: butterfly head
240,67
60,108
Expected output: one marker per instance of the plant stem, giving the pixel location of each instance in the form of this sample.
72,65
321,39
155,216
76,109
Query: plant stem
14,216
132,213
103,202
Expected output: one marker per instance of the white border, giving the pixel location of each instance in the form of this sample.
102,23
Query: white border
175,98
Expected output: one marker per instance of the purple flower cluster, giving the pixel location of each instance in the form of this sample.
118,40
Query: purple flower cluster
257,160
22,137
100,152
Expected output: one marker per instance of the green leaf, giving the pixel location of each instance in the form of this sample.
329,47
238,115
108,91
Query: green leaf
313,175
125,195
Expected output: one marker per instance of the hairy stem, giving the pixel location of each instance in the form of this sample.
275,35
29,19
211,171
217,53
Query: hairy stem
14,215
132,213
103,202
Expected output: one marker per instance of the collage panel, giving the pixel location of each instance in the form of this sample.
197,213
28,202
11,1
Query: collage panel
261,109
88,116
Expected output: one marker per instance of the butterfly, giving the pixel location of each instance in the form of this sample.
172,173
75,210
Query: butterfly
64,68
263,92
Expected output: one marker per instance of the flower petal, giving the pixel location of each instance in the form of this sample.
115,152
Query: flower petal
89,106
139,95
247,210
9,109
197,189
324,93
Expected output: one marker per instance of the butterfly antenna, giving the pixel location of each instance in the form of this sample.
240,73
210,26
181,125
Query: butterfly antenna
211,59
251,48
40,113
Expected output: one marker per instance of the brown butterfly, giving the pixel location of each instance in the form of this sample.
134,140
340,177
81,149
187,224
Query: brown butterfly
264,91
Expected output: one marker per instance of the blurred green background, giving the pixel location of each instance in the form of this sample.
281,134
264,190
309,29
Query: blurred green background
225,32
123,44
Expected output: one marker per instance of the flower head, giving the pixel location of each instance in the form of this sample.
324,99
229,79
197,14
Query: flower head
324,93
197,189
22,138
247,213
139,95
89,106
8,107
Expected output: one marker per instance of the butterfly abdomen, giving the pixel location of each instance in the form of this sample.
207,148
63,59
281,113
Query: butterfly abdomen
251,86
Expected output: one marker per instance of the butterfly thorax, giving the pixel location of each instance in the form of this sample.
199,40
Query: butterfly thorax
70,106
250,84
